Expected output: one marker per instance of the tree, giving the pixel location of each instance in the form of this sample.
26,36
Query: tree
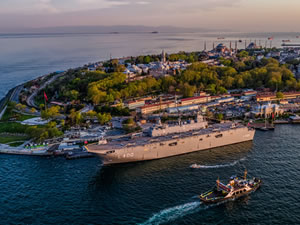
279,95
243,54
50,113
62,123
33,110
73,94
147,59
75,116
20,107
219,116
41,106
188,90
104,118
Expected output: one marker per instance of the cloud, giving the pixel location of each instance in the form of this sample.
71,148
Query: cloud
143,3
46,6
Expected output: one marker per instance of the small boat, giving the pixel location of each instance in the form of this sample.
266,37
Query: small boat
263,128
220,38
195,166
154,32
268,127
270,38
286,41
236,188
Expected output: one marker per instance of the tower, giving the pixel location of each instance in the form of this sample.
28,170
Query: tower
235,46
163,56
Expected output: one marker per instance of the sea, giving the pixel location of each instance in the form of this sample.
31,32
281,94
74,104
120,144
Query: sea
48,190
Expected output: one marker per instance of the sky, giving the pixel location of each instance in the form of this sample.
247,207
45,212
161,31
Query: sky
237,15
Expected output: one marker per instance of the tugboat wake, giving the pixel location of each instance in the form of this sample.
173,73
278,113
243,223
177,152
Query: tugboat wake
197,166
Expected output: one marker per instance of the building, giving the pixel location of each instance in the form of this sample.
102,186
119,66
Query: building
135,104
195,100
147,109
267,110
252,46
271,96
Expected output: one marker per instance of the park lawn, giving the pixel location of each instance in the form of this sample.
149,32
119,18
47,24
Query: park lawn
4,139
16,144
12,127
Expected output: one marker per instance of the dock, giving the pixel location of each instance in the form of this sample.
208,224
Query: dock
6,149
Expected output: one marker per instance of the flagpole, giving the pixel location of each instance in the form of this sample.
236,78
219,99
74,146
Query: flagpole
45,104
45,99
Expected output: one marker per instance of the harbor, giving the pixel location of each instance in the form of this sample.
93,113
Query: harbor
122,185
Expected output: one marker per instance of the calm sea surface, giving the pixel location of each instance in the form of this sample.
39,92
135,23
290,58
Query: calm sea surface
37,190
57,191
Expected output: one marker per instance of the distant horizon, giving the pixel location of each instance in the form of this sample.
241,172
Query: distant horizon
235,15
104,29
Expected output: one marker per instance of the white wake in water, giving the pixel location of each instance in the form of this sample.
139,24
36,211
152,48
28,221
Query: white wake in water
173,213
197,166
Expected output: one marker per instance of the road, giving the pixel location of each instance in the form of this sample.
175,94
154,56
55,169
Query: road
16,93
30,100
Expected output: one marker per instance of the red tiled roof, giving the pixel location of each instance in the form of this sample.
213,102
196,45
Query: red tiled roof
158,104
193,98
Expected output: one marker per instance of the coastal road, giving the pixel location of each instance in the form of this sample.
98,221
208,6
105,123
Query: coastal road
16,93
30,100
13,95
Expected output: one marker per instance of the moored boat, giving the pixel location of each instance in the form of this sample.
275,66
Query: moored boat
236,188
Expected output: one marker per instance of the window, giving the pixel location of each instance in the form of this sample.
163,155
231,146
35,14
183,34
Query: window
219,135
173,144
201,139
161,144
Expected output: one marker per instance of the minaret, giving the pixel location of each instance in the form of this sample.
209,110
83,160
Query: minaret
235,46
163,57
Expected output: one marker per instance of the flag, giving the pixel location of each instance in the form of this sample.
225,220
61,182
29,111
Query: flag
45,96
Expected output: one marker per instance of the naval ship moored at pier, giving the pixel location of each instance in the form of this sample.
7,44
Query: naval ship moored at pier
162,141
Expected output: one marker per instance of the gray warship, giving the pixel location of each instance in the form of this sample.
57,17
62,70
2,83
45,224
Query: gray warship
161,141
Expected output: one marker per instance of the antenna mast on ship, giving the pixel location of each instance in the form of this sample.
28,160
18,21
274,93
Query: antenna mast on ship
245,174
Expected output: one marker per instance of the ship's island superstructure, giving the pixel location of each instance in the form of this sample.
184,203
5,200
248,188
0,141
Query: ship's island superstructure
161,141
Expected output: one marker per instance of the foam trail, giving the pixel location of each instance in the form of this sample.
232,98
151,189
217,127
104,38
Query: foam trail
173,213
197,166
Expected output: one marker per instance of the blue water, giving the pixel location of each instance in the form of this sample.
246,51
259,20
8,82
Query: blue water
38,191
56,191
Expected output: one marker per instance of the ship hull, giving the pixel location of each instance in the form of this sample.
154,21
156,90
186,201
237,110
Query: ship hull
174,147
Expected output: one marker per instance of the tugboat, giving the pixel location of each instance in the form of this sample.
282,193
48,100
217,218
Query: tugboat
236,188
